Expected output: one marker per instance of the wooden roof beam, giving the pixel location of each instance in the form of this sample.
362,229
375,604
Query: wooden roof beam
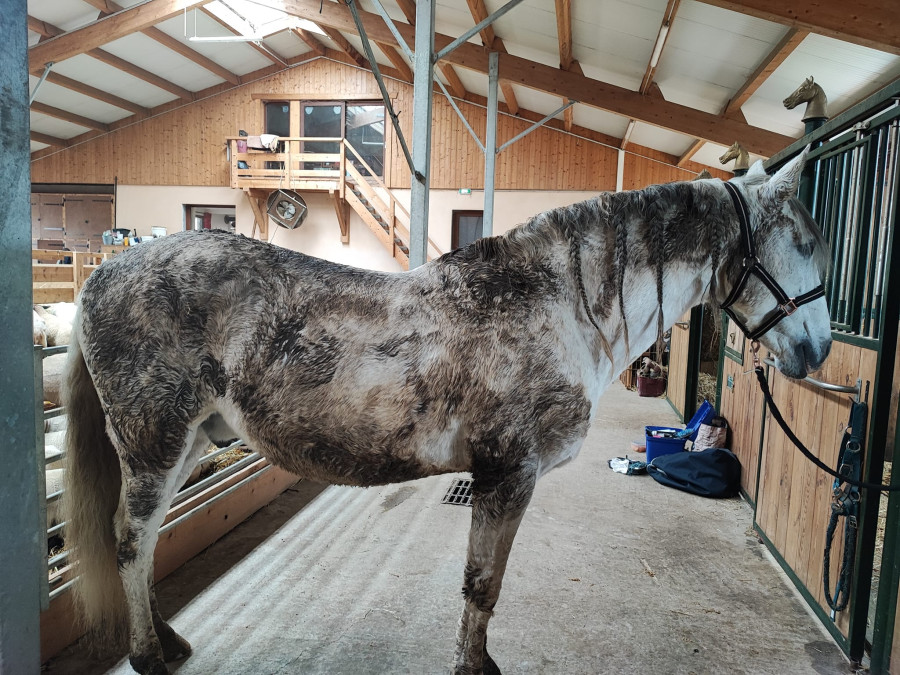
457,88
346,47
99,94
564,36
311,41
60,114
870,23
494,44
110,7
49,140
394,56
116,62
690,152
587,91
107,29
661,38
775,58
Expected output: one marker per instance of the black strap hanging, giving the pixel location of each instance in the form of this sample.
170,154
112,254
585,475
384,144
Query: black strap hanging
845,502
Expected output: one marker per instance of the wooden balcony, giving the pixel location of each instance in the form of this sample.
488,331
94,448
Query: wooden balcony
293,168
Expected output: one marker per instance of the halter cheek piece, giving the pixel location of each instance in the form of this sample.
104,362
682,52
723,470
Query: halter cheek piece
752,265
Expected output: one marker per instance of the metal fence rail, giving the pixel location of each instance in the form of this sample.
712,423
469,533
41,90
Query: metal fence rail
854,199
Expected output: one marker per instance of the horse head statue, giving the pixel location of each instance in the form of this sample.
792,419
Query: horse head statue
776,280
736,151
814,97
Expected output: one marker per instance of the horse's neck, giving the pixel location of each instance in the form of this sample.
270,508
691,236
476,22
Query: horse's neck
682,242
816,105
743,159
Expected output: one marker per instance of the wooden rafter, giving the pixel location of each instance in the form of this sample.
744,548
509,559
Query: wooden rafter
345,46
99,94
49,30
690,152
566,60
60,114
495,44
564,32
107,29
311,41
393,55
109,7
665,25
141,73
587,91
775,58
453,82
871,23
49,140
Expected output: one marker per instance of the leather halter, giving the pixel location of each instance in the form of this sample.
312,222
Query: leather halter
752,266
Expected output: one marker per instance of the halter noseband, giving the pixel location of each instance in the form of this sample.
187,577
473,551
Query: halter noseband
752,265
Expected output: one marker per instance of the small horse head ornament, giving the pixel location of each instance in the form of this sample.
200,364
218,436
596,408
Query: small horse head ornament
737,152
777,294
813,95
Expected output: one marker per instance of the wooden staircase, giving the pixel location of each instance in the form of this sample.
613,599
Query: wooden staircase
340,174
376,205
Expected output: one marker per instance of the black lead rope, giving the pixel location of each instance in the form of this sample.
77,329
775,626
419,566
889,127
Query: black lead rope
764,385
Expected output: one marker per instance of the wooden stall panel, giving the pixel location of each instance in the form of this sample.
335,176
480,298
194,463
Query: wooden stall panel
741,406
794,502
678,361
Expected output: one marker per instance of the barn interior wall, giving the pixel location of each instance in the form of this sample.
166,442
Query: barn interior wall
186,146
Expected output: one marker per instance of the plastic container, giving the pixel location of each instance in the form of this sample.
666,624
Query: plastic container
657,447
666,446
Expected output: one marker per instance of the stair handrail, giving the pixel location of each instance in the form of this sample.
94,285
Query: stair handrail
435,252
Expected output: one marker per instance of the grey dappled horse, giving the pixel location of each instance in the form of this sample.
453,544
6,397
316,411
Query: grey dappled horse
490,359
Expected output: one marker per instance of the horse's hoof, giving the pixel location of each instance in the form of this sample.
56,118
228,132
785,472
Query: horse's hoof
174,647
148,665
489,667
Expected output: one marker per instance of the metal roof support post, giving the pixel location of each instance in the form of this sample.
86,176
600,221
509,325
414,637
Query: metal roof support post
21,558
423,74
490,144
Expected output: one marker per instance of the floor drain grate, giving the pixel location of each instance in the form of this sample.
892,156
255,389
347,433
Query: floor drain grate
460,493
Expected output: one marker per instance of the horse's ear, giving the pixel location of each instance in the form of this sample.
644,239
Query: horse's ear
757,169
784,184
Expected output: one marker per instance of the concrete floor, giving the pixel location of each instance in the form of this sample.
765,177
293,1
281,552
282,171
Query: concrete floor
608,574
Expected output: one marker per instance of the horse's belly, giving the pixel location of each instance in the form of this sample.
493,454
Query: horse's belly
344,452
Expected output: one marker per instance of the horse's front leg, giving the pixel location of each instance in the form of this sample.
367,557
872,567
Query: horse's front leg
497,508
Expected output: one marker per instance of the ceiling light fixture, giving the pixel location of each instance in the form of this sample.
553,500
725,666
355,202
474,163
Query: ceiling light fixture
660,41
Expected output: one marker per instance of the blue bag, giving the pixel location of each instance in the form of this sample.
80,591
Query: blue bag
714,472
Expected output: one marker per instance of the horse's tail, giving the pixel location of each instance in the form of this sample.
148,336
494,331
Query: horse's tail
92,487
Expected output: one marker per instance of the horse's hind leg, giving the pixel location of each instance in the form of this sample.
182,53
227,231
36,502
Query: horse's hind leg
497,510
174,646
146,499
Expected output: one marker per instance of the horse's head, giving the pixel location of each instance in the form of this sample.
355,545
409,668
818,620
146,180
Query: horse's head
791,252
731,153
805,92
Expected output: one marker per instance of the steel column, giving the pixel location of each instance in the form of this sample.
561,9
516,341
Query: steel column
21,558
421,151
490,144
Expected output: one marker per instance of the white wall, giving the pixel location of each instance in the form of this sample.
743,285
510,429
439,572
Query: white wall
139,207
511,208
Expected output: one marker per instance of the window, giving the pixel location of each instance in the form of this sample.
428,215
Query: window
467,226
365,134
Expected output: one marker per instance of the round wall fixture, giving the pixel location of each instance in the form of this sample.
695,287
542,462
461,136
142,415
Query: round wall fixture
286,208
